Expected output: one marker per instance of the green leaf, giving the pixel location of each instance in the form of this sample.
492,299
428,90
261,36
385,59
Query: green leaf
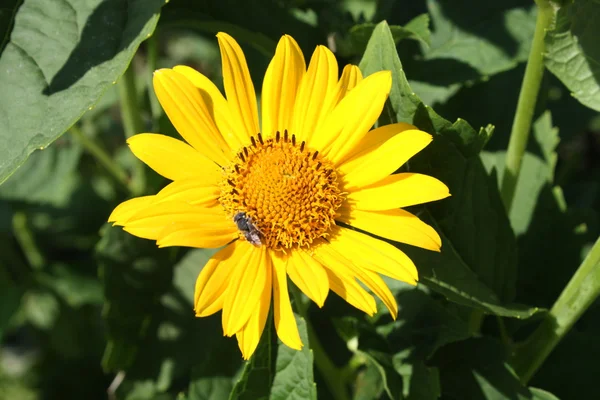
259,372
135,274
477,369
420,382
10,298
489,37
358,36
382,375
477,264
60,59
294,370
539,394
572,51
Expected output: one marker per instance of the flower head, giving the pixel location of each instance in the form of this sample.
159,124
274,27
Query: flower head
287,200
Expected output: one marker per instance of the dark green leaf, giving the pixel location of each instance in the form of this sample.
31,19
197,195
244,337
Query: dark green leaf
60,59
477,264
135,274
419,381
572,51
294,370
383,373
358,36
259,372
477,369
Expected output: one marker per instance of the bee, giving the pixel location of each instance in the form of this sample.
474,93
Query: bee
246,226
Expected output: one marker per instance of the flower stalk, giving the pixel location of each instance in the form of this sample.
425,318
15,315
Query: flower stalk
577,296
534,71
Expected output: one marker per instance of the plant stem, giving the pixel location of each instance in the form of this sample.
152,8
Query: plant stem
27,241
130,108
334,376
530,87
132,121
577,296
102,157
151,62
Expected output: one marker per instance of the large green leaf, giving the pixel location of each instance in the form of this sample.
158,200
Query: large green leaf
61,57
477,264
572,51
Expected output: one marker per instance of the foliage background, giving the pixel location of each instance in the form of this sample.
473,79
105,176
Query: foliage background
86,308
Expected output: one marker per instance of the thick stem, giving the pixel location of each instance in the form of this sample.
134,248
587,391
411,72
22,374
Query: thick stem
333,376
530,87
102,157
577,296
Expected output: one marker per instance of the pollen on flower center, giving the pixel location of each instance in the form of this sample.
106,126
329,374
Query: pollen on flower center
288,192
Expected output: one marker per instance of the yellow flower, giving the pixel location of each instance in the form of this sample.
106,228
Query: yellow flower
282,198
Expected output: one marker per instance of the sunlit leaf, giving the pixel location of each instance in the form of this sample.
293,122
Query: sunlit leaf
572,51
61,57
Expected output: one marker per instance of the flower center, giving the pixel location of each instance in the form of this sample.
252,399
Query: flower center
280,193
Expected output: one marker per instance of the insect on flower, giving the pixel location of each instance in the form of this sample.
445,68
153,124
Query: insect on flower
247,227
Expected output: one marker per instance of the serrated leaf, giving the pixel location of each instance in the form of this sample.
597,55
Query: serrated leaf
477,264
60,59
572,51
294,370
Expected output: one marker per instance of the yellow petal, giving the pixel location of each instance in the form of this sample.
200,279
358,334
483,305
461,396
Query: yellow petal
151,221
192,191
280,86
231,128
249,336
317,85
173,158
127,209
374,254
372,166
400,190
375,138
342,282
398,225
309,276
285,323
210,235
190,115
353,117
370,279
214,279
351,76
238,84
245,288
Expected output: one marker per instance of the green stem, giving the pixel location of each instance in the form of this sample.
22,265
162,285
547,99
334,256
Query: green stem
334,376
577,296
475,321
152,47
132,121
102,157
530,87
130,107
27,242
